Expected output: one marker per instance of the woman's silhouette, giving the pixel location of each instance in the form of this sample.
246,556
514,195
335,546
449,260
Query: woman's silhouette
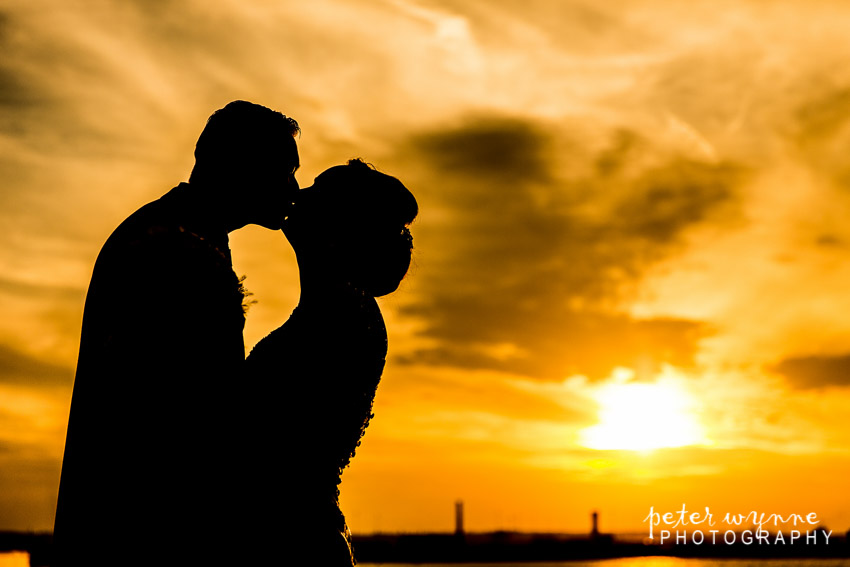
314,378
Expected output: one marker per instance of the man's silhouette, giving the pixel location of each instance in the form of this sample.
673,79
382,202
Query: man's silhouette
151,473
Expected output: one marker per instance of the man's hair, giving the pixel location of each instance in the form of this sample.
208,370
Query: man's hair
242,138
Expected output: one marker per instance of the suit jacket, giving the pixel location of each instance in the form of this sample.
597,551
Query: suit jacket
152,447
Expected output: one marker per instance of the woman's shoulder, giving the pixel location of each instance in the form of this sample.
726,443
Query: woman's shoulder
354,314
326,328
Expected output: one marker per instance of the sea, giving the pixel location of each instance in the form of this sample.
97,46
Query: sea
640,562
17,559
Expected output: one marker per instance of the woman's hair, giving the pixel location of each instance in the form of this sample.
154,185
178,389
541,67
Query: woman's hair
366,214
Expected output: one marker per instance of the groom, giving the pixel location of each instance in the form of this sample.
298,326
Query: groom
151,461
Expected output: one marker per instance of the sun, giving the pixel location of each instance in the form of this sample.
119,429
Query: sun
642,416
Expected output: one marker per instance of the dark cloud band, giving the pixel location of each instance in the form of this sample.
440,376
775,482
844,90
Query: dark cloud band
528,273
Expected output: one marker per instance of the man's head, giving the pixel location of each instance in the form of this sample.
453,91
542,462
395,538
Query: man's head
246,157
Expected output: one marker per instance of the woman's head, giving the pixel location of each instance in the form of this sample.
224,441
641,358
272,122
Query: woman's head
354,222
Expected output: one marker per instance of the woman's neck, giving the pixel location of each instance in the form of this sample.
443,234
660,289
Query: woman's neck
322,282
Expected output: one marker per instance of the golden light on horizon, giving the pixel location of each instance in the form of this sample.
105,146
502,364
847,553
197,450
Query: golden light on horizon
643,416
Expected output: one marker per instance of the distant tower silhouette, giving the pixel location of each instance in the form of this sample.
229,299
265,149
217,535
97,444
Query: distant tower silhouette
459,517
594,526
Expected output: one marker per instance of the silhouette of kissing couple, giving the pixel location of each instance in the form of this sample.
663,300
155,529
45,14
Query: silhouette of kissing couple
180,451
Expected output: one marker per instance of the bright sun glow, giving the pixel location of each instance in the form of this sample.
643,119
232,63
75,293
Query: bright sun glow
639,416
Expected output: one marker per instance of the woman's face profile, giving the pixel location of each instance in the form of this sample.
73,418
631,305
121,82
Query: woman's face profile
304,215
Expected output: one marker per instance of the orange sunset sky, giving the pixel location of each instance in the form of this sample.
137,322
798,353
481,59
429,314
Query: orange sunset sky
631,283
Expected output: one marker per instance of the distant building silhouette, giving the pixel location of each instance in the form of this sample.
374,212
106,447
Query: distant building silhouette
459,517
594,526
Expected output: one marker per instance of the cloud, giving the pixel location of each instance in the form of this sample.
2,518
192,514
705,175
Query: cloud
493,149
820,130
824,115
809,372
13,90
28,485
529,272
669,199
19,368
40,291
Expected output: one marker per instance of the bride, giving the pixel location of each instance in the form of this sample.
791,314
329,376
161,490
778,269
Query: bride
312,380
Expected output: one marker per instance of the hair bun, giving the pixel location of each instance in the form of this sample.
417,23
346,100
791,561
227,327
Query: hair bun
372,211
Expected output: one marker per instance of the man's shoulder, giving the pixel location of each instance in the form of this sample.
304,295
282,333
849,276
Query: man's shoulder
156,217
155,235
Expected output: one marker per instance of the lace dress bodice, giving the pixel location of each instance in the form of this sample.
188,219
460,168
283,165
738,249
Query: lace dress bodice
313,381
